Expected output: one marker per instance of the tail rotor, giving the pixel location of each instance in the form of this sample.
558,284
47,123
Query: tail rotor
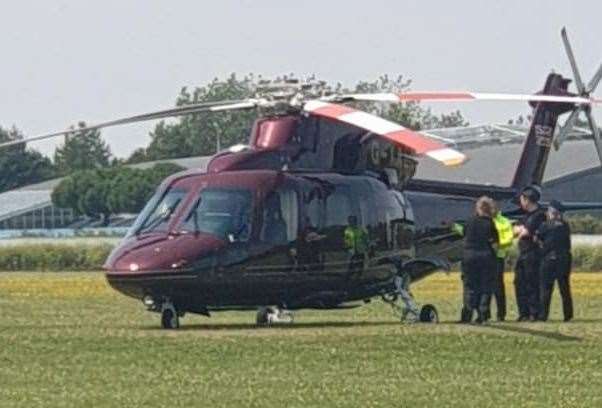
584,92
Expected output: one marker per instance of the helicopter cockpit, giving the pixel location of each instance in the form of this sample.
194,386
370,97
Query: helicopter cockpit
196,214
222,212
158,211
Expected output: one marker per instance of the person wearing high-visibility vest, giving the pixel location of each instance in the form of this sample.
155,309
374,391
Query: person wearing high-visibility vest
505,233
505,236
357,244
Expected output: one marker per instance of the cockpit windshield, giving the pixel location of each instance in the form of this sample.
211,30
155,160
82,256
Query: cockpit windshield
158,211
225,213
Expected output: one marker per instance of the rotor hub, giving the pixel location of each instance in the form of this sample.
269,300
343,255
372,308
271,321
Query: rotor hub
285,93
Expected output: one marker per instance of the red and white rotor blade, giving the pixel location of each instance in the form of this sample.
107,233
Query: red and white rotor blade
465,97
418,143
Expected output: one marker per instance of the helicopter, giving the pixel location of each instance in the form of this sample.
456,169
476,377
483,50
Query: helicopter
263,227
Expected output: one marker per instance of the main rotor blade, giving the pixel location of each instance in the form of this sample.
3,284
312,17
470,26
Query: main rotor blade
166,113
595,133
566,128
591,87
416,142
458,97
569,53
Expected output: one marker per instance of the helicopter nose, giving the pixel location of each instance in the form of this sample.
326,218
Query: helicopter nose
160,254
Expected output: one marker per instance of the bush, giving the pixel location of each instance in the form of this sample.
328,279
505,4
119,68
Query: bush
585,224
53,257
91,257
585,259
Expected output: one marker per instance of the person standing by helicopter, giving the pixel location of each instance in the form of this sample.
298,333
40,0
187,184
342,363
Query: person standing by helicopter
526,280
479,261
554,238
506,237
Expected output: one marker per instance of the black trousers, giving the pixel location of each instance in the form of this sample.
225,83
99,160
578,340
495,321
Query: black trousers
556,269
478,281
527,285
499,291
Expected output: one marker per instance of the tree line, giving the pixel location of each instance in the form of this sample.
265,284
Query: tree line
100,193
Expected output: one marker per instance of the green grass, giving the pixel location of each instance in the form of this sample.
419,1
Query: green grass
67,340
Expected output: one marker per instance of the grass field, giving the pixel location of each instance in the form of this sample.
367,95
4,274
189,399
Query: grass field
67,340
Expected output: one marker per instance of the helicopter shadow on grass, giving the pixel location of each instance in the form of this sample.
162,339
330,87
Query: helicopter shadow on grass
585,321
531,332
279,326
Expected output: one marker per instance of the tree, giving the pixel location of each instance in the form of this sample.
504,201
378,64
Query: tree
521,120
83,150
84,192
130,189
444,120
138,156
204,133
101,193
161,171
19,165
408,114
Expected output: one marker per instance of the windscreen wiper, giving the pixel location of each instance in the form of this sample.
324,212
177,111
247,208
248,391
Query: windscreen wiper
194,214
160,218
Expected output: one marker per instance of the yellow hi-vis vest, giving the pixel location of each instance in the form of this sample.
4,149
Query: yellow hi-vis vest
505,235
356,239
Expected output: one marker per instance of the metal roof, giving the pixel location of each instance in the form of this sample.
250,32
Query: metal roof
17,202
199,162
36,196
496,164
494,151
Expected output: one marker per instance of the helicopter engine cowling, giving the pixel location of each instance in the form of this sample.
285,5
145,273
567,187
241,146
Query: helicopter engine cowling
301,143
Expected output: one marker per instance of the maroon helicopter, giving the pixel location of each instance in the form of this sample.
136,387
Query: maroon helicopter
263,227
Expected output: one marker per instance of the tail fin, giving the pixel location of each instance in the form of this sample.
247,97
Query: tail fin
535,153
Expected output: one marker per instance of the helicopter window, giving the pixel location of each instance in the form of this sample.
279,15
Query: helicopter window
338,209
313,211
221,212
158,211
280,215
408,169
307,132
407,208
395,224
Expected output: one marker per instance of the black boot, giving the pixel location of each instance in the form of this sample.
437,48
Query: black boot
466,315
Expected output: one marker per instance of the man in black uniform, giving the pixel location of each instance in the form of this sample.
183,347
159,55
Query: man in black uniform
526,281
554,237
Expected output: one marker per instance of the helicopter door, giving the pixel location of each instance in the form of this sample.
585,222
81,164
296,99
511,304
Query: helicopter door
403,226
339,208
272,261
